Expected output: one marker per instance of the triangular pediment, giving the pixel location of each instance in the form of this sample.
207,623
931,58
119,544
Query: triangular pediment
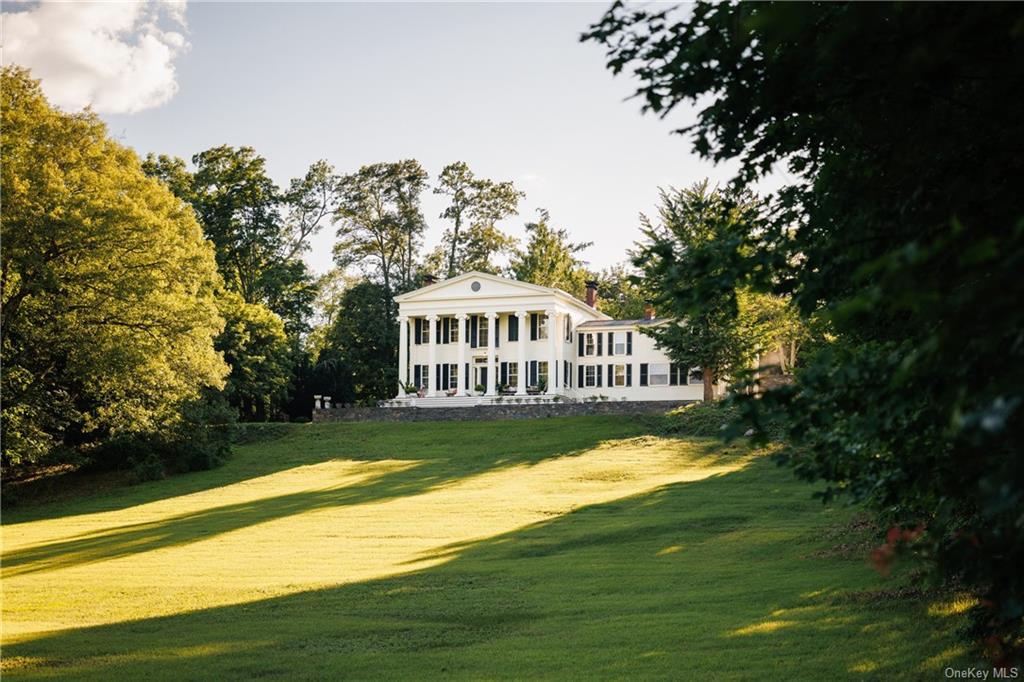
471,285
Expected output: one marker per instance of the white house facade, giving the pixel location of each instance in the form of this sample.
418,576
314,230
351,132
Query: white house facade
478,338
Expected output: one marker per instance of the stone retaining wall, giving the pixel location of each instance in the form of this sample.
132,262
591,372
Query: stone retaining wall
493,411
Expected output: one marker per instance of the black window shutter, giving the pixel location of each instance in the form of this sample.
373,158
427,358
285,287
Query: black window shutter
611,346
417,326
629,343
513,328
579,337
416,376
533,326
629,375
580,383
466,380
600,337
643,373
497,332
472,331
611,375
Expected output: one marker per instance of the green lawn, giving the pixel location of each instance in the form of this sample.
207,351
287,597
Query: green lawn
558,548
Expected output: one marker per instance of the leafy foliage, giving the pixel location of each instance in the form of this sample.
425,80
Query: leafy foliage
481,203
549,258
901,231
108,285
358,361
725,333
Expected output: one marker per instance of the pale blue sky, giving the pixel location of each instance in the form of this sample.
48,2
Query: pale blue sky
508,88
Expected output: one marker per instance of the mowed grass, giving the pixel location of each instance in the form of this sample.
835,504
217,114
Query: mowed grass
559,548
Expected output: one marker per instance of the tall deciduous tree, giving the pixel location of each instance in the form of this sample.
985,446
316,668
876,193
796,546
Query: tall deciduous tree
725,333
476,205
901,226
108,285
549,258
379,222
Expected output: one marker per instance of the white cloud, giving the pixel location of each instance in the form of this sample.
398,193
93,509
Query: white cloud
116,56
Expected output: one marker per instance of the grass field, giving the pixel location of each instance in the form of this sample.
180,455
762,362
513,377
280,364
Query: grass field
560,548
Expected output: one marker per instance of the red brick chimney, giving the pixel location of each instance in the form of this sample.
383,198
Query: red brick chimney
592,293
648,310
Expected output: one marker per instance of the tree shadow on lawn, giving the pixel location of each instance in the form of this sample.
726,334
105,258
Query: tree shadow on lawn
304,444
429,458
711,578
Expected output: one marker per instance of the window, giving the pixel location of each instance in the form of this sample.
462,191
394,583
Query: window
588,345
513,374
590,376
657,374
619,376
483,334
453,334
453,375
542,373
542,326
696,375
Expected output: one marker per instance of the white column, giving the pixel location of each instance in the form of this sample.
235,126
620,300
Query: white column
463,339
521,347
403,354
552,342
492,331
431,356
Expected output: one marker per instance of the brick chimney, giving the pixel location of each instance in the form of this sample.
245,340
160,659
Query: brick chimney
648,310
592,293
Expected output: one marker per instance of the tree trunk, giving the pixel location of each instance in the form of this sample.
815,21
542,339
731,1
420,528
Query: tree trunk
709,386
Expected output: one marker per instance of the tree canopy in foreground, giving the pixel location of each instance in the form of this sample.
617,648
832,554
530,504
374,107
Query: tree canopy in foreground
902,226
108,284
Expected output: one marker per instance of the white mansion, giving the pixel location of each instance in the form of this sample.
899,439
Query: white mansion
475,338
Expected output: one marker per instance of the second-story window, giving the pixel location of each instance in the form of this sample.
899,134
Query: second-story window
483,332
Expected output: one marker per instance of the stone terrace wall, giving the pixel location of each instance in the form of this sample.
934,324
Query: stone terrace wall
499,411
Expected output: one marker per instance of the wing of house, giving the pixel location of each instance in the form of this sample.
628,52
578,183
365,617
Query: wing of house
482,335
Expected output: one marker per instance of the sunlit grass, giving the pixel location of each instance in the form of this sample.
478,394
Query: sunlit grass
555,548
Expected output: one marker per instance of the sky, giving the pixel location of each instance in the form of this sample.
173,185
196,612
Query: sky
507,88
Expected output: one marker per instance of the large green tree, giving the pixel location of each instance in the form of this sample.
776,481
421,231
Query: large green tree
901,226
475,207
358,360
108,285
380,226
722,334
549,258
